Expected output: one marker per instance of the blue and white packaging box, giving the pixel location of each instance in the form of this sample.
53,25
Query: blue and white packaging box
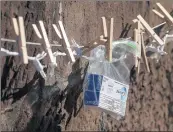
105,93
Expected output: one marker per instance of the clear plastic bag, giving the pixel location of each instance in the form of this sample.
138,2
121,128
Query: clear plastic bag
106,84
123,59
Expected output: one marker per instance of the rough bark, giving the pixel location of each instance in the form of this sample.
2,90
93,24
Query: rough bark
32,104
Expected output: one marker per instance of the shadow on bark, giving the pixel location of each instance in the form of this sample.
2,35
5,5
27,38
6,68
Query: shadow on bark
48,110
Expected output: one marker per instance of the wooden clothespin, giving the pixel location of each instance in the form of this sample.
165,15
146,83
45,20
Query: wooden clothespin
158,13
57,31
37,31
136,39
110,39
144,53
46,44
67,44
15,25
150,30
105,32
158,25
109,36
21,38
140,31
165,12
40,36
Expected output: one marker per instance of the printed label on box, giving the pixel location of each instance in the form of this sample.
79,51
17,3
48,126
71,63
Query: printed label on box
113,96
106,93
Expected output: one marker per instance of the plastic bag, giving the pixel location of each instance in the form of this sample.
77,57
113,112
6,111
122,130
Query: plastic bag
106,84
123,59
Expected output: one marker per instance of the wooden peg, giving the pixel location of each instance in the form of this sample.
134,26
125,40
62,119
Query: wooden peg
15,25
110,39
165,12
57,31
158,13
105,33
46,44
158,25
150,30
139,47
22,40
136,40
36,31
144,53
67,44
140,28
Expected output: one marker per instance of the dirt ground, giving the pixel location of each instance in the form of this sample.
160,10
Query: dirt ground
29,103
